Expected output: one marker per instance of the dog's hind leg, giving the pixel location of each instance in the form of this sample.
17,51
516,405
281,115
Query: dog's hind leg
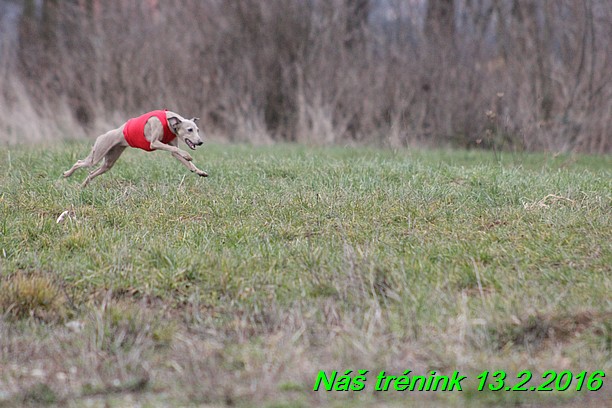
109,161
80,163
101,147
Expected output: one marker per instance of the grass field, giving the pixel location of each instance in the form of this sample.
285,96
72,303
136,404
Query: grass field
168,289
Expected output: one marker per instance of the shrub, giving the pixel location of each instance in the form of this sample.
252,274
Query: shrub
25,295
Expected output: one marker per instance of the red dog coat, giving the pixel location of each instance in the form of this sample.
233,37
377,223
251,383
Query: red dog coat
133,131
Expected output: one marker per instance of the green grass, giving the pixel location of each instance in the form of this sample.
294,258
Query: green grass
287,260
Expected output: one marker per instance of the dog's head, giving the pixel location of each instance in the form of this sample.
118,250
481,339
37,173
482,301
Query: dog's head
186,130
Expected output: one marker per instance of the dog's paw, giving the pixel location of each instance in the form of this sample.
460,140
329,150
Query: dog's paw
201,173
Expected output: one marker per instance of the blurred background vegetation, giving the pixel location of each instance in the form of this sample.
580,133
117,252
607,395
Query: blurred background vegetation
508,74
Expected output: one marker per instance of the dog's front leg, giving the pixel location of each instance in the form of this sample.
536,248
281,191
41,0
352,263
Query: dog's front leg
158,145
190,165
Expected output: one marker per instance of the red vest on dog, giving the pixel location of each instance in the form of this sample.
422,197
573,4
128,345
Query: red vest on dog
133,131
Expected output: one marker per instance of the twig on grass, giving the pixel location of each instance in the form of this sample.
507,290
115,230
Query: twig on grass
543,202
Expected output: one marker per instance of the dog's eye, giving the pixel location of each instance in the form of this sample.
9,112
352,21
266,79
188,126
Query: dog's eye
190,130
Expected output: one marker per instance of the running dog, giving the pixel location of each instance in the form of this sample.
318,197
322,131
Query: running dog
156,130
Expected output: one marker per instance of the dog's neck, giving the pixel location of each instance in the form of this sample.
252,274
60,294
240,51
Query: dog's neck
172,129
172,115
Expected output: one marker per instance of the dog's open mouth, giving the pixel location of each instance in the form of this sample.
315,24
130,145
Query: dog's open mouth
191,145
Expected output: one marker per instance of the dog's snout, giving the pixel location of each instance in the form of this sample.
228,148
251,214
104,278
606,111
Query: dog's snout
199,143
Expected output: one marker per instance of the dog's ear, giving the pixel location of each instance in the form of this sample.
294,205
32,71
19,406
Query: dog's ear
174,122
194,120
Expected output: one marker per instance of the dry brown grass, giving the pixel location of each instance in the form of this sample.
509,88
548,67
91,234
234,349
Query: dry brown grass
115,353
